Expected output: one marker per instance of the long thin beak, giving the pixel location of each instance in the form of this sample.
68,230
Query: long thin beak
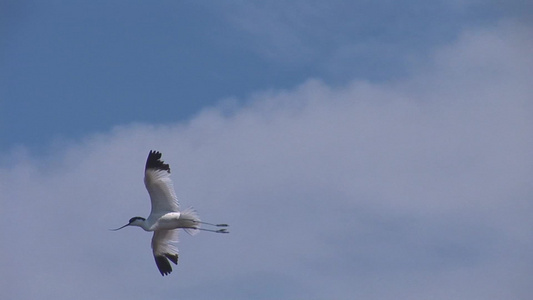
119,227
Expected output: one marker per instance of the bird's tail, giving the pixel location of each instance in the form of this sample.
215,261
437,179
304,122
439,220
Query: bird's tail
191,214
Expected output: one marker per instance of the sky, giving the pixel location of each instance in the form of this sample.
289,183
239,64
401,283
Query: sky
358,149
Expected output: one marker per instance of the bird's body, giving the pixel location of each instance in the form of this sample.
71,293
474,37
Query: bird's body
169,221
165,217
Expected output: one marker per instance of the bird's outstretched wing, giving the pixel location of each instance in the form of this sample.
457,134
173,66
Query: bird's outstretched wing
159,186
164,249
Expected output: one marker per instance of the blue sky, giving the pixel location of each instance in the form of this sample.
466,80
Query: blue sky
73,68
358,149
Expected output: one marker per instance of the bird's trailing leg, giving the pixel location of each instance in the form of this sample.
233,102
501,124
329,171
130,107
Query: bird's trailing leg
217,225
223,230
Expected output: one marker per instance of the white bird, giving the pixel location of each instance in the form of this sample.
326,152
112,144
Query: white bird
165,217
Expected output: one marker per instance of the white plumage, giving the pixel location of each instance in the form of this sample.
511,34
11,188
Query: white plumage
165,217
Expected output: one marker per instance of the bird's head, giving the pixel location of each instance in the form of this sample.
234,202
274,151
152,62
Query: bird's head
135,221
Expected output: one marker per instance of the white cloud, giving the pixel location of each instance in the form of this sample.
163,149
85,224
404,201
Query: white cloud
414,189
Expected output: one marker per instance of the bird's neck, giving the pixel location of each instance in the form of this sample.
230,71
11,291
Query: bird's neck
143,224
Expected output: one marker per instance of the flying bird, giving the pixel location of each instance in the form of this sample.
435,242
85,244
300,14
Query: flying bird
165,217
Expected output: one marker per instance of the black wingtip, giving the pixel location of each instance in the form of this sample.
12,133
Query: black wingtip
163,265
173,257
154,161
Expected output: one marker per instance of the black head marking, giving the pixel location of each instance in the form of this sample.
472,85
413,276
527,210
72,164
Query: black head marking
154,161
137,218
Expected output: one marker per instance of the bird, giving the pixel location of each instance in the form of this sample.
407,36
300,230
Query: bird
165,217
